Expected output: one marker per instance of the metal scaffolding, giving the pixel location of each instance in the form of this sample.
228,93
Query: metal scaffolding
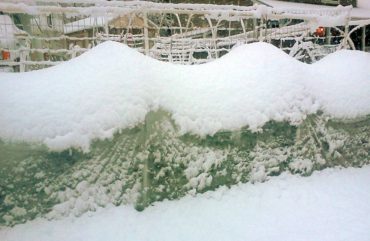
43,33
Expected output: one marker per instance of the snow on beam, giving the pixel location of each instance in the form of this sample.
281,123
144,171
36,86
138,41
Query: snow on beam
223,11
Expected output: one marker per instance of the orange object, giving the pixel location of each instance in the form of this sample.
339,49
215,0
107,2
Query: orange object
5,54
320,32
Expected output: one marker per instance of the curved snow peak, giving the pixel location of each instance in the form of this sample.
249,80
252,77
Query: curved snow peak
113,87
341,83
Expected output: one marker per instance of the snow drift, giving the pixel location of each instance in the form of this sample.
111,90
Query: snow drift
113,87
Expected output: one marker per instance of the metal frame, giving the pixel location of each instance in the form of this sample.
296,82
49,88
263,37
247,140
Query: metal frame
179,33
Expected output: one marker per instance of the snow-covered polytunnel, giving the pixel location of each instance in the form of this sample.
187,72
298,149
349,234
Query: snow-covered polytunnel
114,126
135,102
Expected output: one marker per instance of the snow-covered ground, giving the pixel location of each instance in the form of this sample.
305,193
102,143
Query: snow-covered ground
113,87
332,204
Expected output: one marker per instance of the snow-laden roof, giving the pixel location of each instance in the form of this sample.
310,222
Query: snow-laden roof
86,23
113,87
356,13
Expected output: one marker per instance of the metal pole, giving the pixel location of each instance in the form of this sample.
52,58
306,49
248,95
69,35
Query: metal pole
261,30
146,34
363,39
346,37
328,35
22,59
106,26
255,33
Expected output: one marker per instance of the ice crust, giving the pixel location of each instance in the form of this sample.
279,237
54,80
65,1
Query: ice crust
113,87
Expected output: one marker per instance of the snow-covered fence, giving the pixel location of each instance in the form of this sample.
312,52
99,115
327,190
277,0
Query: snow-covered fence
57,30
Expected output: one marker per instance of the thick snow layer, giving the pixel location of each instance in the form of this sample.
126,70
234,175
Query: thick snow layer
363,4
341,83
329,205
113,87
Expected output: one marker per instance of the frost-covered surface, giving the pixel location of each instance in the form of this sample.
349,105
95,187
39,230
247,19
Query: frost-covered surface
361,11
113,87
7,32
330,205
86,23
152,162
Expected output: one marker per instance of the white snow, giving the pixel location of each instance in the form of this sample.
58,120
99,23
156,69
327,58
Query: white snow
8,30
341,82
362,11
363,4
329,205
113,87
86,23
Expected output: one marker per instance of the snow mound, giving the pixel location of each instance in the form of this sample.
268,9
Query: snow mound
341,82
70,104
113,87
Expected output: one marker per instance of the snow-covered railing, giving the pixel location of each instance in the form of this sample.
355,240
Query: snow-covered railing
58,30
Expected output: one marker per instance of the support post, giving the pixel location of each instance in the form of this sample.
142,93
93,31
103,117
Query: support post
261,30
363,38
106,26
22,59
255,30
328,35
346,31
214,36
146,34
346,36
244,31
